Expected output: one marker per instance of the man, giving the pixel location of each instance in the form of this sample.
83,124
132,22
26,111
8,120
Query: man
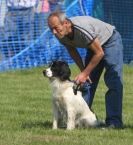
105,50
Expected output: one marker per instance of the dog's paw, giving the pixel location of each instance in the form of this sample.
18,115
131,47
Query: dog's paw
70,127
54,127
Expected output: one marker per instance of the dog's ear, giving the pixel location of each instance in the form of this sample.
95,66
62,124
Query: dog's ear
65,73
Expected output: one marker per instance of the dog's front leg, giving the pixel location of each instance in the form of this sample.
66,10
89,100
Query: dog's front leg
55,123
55,116
70,119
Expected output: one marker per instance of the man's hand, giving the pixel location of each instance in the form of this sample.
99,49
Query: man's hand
82,78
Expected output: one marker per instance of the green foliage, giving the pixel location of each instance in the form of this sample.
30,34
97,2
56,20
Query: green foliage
26,112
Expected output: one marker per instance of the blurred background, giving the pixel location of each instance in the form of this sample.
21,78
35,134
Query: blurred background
26,41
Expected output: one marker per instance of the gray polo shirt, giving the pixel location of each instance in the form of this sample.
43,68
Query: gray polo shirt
86,29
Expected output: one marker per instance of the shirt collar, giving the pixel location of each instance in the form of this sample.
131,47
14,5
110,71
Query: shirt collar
71,36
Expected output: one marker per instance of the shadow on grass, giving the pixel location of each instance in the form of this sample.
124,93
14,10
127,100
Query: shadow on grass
128,126
46,124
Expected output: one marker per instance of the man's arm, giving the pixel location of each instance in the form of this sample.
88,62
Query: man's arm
98,54
76,57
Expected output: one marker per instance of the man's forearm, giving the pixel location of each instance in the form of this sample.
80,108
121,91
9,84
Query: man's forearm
76,57
93,63
98,54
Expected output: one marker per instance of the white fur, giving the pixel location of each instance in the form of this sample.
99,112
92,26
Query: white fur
73,107
49,72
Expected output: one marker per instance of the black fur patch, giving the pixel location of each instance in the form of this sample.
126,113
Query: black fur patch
61,70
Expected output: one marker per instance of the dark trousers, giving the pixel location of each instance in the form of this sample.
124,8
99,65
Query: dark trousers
113,63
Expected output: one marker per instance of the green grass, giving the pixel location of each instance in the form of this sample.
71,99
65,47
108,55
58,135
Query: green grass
26,114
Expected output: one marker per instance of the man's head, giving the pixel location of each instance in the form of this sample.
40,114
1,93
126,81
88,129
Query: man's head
59,24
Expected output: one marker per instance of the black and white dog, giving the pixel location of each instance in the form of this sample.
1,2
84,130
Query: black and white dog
65,102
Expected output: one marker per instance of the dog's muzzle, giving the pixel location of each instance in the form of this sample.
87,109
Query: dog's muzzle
44,72
48,73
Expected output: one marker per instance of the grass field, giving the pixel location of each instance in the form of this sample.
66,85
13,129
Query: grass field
26,117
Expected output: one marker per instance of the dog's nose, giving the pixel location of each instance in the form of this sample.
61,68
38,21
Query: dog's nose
44,72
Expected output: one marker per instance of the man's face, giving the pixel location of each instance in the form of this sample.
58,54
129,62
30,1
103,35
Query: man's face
60,29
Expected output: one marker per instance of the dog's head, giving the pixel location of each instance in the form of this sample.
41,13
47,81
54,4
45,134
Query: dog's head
58,69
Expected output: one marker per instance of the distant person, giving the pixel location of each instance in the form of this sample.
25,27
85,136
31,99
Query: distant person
53,5
41,13
2,17
19,19
43,6
56,5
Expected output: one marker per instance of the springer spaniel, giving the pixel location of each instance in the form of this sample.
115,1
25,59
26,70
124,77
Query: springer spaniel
65,103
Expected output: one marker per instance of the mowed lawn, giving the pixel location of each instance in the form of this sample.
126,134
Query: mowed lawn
26,112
